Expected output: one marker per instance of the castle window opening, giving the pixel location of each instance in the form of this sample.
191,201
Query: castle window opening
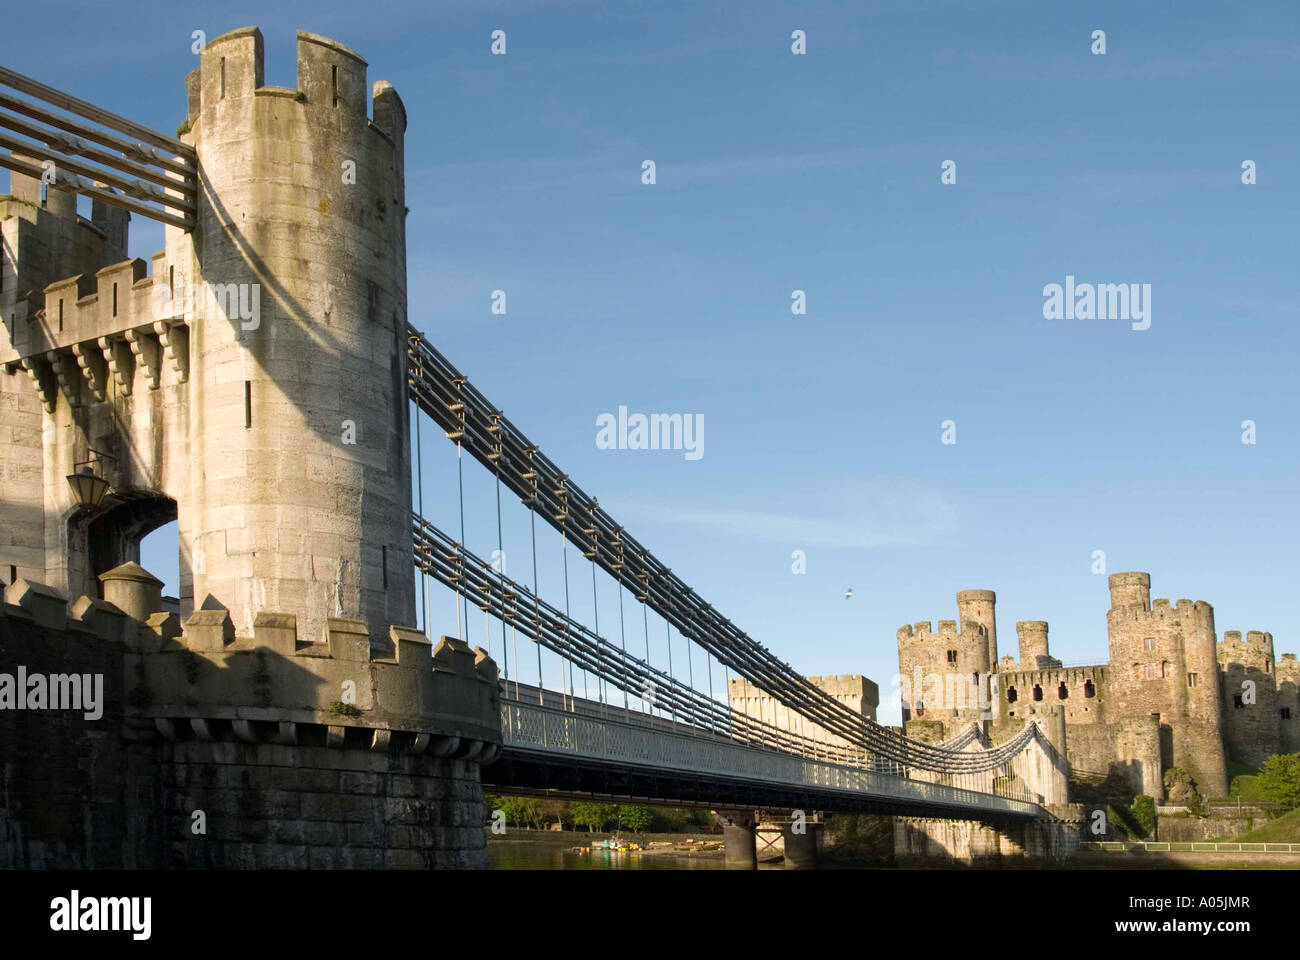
1164,670
334,82
1038,692
1011,694
1151,671
952,656
1089,691
1149,643
1062,692
115,299
1236,701
1286,713
221,95
1192,680
60,314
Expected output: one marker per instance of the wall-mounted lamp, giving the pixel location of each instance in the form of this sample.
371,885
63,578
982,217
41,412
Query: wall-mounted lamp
87,485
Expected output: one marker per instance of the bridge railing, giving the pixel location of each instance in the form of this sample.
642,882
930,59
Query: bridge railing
532,727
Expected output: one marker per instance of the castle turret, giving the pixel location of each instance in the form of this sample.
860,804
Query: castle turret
1130,590
300,432
1032,635
979,606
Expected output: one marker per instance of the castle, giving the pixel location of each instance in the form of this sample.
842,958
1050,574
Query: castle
1170,695
251,386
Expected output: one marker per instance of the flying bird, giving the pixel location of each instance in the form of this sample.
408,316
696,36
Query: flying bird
848,593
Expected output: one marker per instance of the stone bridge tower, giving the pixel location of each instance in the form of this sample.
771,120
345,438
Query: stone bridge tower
254,385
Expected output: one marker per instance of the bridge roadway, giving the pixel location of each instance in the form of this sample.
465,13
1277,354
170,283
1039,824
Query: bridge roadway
597,750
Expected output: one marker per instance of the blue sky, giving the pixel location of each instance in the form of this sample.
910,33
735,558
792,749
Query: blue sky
821,173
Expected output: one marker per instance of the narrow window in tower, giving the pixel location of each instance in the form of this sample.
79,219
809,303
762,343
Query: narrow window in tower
1149,643
334,82
60,314
1192,680
171,281
1236,701
1286,713
1062,692
1038,693
248,404
952,656
383,564
1164,670
13,573
115,299
1089,691
1011,695
221,93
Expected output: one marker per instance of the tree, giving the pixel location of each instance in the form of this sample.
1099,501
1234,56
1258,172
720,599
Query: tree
1279,780
593,816
633,818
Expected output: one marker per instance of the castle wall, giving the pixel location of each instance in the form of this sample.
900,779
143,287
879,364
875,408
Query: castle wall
855,691
199,722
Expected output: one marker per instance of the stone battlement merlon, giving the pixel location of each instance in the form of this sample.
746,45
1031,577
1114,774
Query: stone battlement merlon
923,630
331,76
83,309
201,670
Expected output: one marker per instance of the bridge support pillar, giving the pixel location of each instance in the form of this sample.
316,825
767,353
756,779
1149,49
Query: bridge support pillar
801,846
739,840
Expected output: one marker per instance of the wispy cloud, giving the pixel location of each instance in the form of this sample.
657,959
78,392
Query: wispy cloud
870,519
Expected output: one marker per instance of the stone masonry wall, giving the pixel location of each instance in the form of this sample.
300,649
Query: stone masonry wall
271,806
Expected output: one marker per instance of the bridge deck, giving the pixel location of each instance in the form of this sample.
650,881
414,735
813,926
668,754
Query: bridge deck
563,752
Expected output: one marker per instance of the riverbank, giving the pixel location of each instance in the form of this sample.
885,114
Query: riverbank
520,849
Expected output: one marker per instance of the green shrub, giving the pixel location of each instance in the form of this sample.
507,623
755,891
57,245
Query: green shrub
1143,812
1279,780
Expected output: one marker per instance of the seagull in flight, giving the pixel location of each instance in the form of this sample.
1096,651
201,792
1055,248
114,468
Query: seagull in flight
848,593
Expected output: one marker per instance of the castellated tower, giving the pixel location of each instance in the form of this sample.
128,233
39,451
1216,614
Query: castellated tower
1251,710
945,675
1163,661
300,492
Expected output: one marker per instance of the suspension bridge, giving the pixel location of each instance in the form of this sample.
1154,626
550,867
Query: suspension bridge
698,750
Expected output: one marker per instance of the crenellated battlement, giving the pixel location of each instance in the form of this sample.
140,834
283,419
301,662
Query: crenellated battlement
1255,652
923,631
199,673
331,94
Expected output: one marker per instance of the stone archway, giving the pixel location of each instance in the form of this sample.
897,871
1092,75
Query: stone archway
112,535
